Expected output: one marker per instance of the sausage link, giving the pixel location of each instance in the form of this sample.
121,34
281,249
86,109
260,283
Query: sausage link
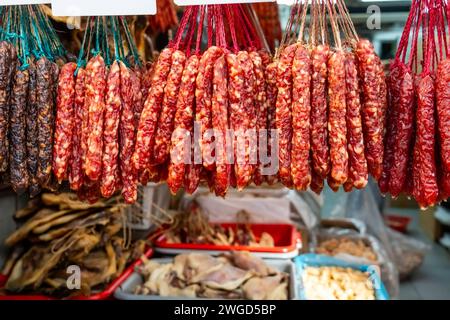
76,161
46,118
337,127
261,110
443,110
283,115
221,176
237,113
150,113
357,173
127,133
62,147
319,111
183,123
18,154
166,120
95,100
203,100
138,97
247,138
425,143
402,145
301,112
371,110
32,132
272,91
395,82
112,111
6,64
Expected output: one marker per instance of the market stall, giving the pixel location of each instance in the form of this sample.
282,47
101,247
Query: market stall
217,151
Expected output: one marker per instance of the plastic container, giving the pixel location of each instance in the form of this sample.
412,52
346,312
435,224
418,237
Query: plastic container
153,198
286,238
126,290
318,260
103,295
398,223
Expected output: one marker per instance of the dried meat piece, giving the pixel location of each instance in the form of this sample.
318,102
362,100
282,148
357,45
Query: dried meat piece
150,114
317,183
46,119
283,115
62,147
426,190
183,126
271,99
95,100
319,111
337,127
301,112
403,134
76,161
219,107
127,132
203,101
166,119
7,62
371,107
357,172
246,140
261,110
18,153
112,112
443,110
32,132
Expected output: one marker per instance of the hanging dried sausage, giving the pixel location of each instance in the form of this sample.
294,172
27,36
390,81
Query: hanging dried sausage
127,133
62,147
6,63
283,115
443,110
32,132
76,161
219,107
319,111
203,96
18,154
372,122
112,111
337,126
95,100
272,90
357,172
425,143
402,142
247,139
301,111
150,113
261,109
46,119
183,123
166,119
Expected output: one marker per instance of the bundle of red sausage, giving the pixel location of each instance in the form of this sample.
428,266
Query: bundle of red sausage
29,70
417,150
220,89
331,102
98,110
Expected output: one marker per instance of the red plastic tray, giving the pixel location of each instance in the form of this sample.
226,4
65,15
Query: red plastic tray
104,295
286,238
398,223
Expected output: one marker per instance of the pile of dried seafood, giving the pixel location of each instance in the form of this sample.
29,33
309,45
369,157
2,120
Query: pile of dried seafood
238,275
61,231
